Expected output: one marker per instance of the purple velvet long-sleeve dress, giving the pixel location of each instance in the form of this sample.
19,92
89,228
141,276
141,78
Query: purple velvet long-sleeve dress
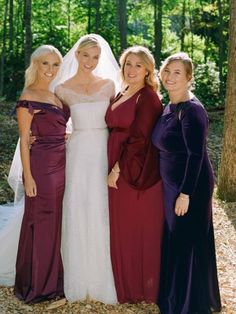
39,271
189,281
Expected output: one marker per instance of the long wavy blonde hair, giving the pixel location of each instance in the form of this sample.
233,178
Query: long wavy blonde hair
148,60
31,71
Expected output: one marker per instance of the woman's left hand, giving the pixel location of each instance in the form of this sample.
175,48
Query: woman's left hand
112,179
181,204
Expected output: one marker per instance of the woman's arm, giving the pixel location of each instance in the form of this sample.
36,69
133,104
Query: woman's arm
194,129
138,163
24,124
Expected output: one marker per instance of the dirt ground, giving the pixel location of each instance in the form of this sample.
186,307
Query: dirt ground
225,235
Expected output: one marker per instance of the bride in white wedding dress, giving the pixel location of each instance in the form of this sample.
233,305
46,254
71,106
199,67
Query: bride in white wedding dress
85,223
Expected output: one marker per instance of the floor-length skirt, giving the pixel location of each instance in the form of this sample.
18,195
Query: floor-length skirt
85,227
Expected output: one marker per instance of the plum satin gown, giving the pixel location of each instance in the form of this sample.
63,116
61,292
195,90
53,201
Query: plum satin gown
39,271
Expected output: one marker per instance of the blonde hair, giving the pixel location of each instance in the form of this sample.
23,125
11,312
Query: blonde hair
31,71
88,41
148,60
186,61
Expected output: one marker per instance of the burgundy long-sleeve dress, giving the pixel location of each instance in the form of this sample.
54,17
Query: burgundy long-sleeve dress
39,271
189,277
136,207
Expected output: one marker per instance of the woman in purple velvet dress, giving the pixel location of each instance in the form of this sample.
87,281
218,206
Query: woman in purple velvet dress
135,189
39,271
189,281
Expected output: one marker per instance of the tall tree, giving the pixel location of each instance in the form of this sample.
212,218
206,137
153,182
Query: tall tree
227,172
3,53
68,21
221,45
89,26
97,16
182,32
122,18
11,28
28,32
158,30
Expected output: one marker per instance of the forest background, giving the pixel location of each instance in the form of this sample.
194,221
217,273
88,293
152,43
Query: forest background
164,26
198,27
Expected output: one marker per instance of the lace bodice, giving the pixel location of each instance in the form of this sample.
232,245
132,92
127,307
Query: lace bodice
87,111
70,97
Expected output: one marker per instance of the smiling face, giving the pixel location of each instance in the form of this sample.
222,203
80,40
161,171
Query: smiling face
88,58
174,77
134,70
48,66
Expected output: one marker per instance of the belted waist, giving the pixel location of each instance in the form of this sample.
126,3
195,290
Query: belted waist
90,129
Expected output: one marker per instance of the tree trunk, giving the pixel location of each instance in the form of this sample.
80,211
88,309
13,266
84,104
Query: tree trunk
3,54
191,28
158,31
122,18
68,22
28,32
221,46
182,26
89,16
227,171
97,16
11,28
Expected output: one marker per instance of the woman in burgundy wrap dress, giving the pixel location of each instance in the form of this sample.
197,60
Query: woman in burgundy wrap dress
135,188
39,271
189,276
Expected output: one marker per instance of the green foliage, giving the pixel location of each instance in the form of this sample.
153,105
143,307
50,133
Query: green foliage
8,139
62,22
207,84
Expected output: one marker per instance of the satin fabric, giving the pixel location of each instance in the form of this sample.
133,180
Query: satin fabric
39,271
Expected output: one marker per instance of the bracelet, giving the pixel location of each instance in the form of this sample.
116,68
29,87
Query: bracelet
184,198
113,170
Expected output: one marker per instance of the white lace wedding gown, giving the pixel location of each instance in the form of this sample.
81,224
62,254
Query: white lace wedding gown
85,223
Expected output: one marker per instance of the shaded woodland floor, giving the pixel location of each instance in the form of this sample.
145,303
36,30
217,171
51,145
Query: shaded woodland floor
224,223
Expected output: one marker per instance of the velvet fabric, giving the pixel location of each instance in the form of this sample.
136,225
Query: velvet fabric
189,281
136,207
39,271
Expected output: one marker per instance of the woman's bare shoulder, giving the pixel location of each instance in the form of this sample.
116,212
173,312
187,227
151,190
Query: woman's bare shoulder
29,94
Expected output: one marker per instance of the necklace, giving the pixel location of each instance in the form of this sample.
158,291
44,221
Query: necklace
128,91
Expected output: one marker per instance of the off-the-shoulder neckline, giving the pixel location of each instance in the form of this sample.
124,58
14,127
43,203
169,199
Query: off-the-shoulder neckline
41,102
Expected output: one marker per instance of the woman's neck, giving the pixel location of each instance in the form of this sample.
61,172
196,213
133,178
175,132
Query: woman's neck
42,86
84,78
177,97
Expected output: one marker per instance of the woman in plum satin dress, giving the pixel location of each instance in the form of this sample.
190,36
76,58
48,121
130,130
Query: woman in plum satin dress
39,271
